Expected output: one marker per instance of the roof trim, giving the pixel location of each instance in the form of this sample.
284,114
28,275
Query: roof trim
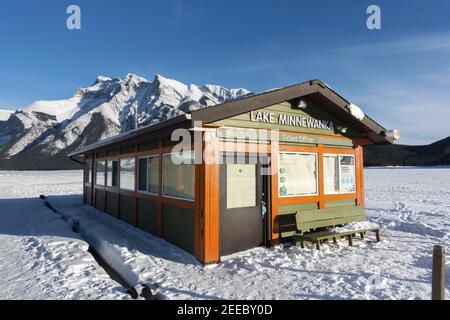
252,102
132,134
374,131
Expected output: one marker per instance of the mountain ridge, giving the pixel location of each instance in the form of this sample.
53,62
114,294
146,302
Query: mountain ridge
434,154
40,135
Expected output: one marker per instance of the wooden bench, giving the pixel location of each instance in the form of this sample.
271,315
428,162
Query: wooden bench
312,225
318,237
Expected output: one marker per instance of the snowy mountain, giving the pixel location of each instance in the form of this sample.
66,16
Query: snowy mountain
4,114
41,135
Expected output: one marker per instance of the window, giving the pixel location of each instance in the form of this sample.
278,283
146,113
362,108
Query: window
331,173
100,173
153,175
297,174
149,174
127,179
142,184
87,171
111,173
178,179
339,174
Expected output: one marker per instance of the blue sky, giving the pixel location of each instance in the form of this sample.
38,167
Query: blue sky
400,75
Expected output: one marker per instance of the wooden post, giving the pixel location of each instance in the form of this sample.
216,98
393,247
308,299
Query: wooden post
438,277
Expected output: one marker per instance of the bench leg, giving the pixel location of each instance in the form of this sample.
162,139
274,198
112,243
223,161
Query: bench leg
362,235
334,240
350,240
377,235
302,244
318,245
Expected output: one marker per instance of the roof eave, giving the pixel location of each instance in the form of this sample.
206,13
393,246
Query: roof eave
131,134
308,88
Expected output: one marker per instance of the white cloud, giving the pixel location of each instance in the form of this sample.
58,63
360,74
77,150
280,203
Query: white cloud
404,84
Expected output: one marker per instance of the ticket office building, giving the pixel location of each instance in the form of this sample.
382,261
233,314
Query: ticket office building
304,135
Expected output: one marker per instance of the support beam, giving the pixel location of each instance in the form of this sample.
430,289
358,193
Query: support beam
211,198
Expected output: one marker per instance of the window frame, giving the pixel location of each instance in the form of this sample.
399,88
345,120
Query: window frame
316,154
339,155
148,157
162,179
108,161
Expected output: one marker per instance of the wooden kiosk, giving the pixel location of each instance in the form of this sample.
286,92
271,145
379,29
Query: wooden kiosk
302,171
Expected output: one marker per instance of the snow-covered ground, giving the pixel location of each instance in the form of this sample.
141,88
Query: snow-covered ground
40,256
411,204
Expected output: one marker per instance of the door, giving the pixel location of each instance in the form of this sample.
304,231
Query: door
241,208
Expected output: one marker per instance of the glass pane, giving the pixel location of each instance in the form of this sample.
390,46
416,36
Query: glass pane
127,178
297,174
111,174
115,165
347,174
153,175
241,185
142,174
100,174
87,171
331,174
178,180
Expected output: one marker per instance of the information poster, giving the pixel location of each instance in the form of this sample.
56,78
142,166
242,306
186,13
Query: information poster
347,174
297,174
241,186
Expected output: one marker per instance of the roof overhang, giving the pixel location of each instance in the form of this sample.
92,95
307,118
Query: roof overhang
131,138
314,90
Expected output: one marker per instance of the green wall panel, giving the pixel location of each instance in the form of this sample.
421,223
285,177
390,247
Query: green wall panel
127,211
111,204
340,203
178,227
147,215
100,200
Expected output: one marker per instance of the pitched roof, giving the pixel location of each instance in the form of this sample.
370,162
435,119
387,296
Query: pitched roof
315,90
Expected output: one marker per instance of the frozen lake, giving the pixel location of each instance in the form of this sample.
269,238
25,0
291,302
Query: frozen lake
40,257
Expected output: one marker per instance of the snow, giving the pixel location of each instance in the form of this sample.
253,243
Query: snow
40,256
356,112
61,109
412,205
4,114
54,126
356,226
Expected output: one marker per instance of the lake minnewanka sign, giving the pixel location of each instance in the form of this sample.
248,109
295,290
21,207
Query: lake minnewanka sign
290,120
